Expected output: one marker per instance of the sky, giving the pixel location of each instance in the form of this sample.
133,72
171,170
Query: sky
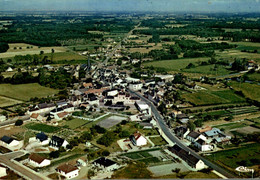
133,5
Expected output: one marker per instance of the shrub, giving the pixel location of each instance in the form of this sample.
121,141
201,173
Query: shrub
19,122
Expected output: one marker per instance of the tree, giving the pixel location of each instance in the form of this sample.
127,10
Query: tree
87,136
191,126
119,62
107,139
124,134
19,122
105,153
54,154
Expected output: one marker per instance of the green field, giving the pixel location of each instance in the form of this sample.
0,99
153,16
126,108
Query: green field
42,127
75,123
25,91
251,91
229,96
254,77
208,69
247,155
205,98
213,97
174,65
65,56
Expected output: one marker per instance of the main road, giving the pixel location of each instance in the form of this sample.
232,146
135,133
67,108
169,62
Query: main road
175,140
110,54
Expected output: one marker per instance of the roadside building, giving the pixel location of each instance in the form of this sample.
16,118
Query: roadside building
38,161
68,171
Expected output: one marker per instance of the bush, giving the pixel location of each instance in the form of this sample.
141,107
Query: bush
19,122
105,153
124,134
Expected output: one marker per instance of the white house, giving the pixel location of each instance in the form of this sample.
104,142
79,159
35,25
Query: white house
203,146
2,118
138,140
194,136
3,172
38,161
68,171
105,164
11,143
57,142
143,107
135,86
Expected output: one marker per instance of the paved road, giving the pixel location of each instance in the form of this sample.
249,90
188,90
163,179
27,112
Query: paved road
8,122
109,55
6,159
174,139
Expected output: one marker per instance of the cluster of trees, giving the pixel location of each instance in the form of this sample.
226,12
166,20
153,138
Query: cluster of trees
3,47
58,80
239,65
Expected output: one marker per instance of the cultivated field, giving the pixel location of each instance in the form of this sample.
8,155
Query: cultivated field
28,49
25,91
213,97
42,127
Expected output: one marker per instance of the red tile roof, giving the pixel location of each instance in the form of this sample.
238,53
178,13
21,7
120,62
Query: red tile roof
67,168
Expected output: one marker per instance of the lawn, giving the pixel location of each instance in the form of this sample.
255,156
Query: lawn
209,70
25,91
42,127
174,65
251,91
247,155
75,123
190,175
158,141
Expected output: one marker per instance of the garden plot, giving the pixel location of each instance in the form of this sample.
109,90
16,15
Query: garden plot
247,130
111,121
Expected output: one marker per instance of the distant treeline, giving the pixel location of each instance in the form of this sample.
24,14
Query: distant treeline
37,31
205,28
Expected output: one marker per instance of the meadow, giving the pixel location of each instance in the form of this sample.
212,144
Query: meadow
25,91
174,65
251,91
5,101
